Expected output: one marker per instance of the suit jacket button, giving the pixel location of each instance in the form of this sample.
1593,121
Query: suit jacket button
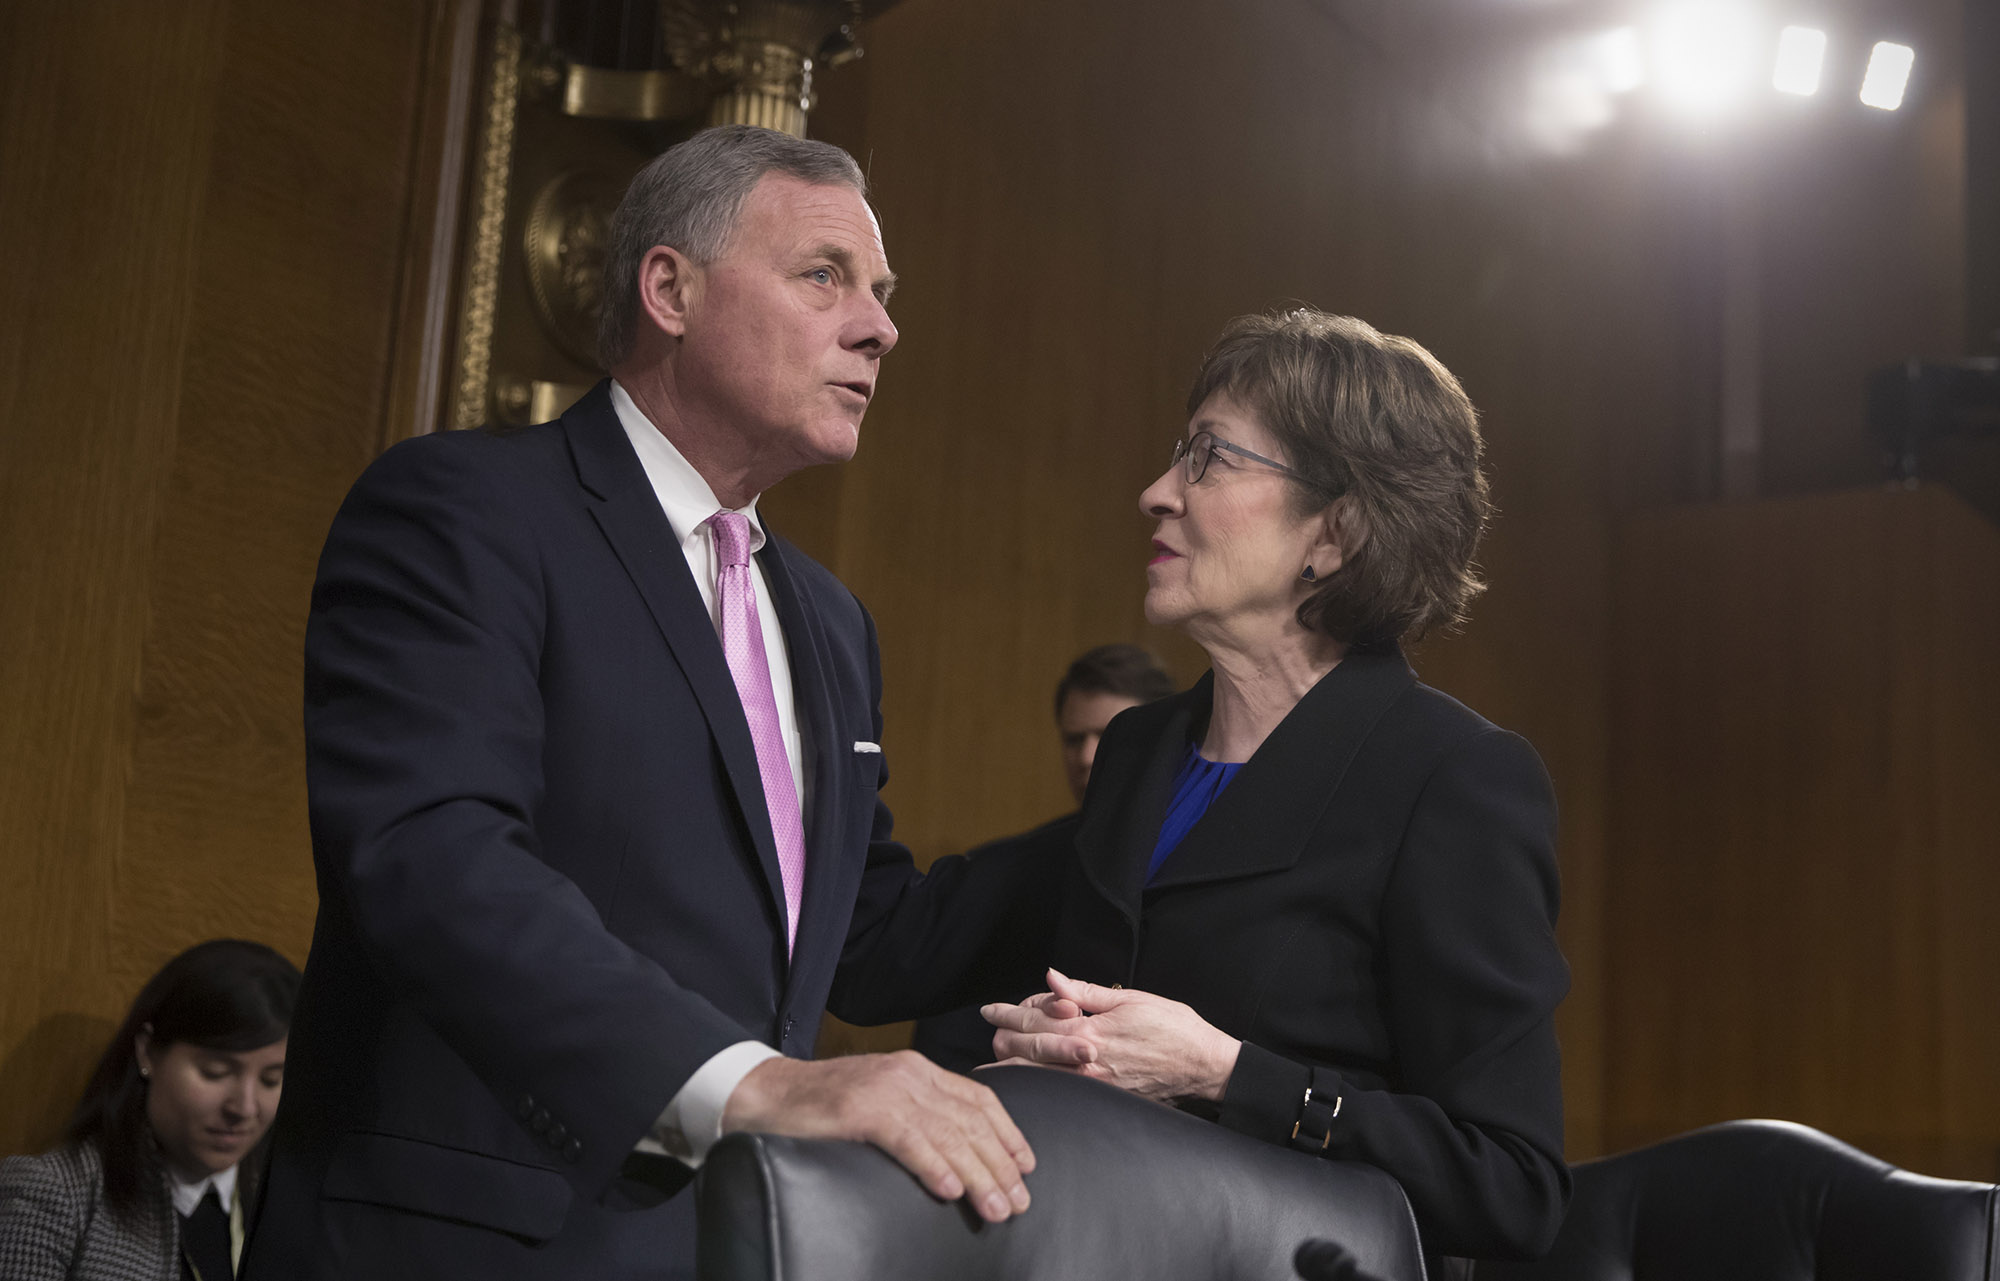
788,1027
573,1151
540,1121
526,1107
557,1133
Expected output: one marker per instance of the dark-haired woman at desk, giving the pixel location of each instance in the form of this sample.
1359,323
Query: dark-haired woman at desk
162,1154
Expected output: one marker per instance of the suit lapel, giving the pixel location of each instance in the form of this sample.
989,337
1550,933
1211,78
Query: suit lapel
825,763
1128,799
1261,821
628,512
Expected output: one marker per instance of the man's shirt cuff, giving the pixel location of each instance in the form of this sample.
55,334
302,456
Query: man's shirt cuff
692,1121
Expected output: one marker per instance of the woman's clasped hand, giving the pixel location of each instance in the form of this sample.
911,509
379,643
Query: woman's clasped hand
1154,1047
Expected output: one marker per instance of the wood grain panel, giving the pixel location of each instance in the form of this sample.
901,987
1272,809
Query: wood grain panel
1798,723
1964,558
105,140
287,361
206,211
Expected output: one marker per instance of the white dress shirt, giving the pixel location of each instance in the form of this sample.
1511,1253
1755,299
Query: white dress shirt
692,1121
188,1195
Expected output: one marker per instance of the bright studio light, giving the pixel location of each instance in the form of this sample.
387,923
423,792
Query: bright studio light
1888,75
1801,51
1704,55
1619,62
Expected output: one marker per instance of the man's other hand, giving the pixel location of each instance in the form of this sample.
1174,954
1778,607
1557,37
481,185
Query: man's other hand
946,1129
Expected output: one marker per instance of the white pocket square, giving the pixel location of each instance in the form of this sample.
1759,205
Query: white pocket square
867,748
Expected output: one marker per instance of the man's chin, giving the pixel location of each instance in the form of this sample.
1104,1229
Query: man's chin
835,443
802,447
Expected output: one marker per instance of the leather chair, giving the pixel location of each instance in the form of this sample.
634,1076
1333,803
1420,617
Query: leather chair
1122,1188
1765,1201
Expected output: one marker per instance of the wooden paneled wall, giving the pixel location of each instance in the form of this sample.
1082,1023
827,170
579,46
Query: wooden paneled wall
1806,717
206,216
224,224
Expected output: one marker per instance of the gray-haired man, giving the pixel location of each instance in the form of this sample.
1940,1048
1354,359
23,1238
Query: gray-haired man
593,760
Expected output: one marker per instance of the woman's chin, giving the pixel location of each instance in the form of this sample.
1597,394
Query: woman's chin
1163,611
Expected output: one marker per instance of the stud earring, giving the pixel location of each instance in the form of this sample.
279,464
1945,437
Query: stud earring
1307,576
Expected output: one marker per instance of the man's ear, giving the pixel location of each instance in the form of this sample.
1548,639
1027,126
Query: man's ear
668,284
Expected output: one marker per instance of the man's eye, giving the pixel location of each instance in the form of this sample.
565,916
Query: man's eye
821,275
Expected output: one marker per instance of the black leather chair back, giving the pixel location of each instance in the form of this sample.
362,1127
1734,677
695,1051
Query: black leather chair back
1765,1201
1123,1189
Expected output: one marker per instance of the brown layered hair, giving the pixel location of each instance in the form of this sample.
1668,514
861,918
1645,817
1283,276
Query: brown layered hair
1381,432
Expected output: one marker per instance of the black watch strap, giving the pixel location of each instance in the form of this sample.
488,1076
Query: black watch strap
1313,1131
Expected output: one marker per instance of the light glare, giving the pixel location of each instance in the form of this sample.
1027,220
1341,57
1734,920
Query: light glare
1704,54
1621,64
1801,51
1888,75
1566,98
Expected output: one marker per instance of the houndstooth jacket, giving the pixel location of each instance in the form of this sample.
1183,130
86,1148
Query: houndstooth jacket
55,1226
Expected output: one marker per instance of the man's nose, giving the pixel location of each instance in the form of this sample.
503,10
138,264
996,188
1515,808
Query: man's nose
874,332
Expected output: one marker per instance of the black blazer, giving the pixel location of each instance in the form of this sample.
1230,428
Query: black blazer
1369,906
548,886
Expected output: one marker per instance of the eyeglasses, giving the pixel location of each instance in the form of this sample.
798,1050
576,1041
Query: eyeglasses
1196,450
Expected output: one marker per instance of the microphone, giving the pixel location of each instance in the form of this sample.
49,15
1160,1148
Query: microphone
1322,1260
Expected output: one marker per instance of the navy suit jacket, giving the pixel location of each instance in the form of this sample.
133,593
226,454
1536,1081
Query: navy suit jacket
548,886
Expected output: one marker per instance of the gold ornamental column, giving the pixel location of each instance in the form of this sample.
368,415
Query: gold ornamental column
759,55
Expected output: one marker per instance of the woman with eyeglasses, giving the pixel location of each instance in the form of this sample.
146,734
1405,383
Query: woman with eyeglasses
1315,899
160,1168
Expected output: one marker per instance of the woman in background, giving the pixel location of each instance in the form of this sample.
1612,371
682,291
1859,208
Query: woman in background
1314,899
162,1155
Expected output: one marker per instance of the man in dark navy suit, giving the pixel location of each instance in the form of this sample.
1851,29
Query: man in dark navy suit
593,762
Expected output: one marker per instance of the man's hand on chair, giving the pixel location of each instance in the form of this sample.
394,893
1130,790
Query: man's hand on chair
946,1129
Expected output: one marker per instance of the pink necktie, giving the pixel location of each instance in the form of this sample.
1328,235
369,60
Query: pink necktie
743,646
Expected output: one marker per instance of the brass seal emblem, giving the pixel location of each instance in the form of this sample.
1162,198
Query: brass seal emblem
567,235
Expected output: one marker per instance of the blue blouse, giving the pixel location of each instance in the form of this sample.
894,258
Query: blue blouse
1196,786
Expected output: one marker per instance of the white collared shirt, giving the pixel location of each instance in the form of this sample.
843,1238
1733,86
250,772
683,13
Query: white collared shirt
688,502
188,1195
692,1120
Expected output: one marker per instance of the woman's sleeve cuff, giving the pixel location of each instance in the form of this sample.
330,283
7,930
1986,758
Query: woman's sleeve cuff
1264,1094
